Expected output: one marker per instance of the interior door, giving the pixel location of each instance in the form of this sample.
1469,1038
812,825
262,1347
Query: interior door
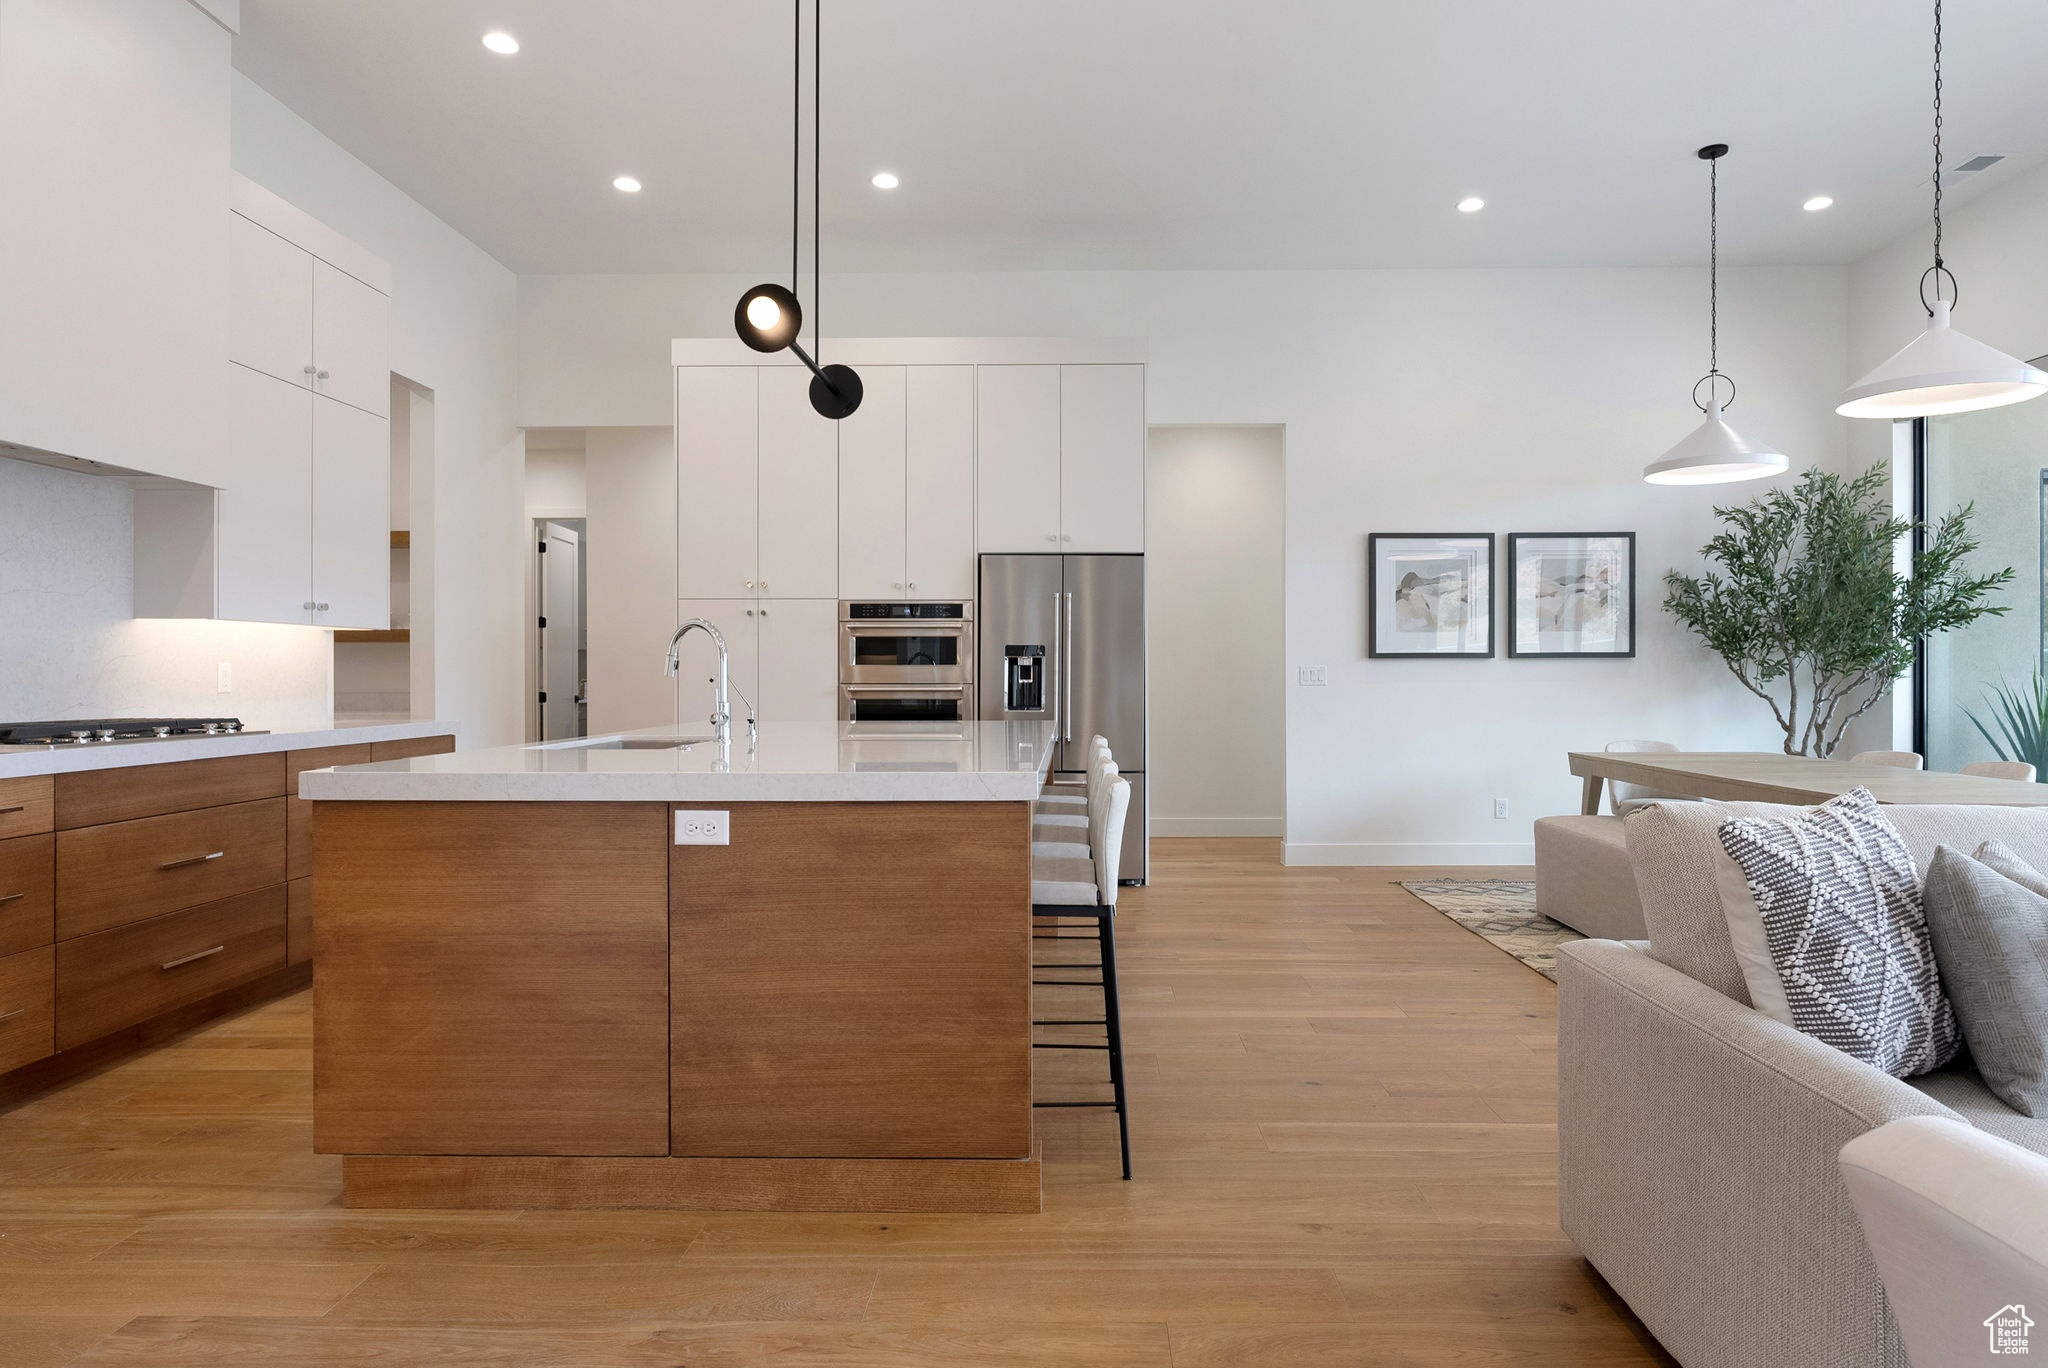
265,514
351,516
270,302
871,494
1103,675
561,633
938,493
718,465
799,489
351,340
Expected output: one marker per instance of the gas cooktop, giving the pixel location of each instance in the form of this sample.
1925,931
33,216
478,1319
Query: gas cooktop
99,731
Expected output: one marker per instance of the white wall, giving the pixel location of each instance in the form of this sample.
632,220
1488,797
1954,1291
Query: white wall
1994,244
1214,607
629,548
1513,400
453,321
70,647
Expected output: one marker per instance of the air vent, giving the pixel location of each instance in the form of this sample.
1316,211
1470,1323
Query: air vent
1972,167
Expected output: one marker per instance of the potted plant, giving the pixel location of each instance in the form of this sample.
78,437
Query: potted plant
2021,715
1810,609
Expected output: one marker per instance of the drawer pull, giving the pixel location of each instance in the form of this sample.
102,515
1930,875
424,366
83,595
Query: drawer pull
187,959
191,860
10,897
9,1016
18,807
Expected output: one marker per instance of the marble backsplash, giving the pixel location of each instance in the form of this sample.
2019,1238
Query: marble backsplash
69,646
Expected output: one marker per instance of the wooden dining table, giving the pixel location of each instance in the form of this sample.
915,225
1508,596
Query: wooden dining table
1763,777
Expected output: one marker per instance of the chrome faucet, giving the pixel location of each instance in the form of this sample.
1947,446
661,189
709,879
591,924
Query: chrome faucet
721,708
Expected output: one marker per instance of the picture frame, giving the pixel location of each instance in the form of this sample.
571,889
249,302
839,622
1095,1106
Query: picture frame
1429,595
1572,595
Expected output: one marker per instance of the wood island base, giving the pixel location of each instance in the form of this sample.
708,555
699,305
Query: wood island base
667,1183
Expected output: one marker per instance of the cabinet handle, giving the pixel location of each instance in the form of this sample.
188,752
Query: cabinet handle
750,584
192,860
896,586
1066,539
325,606
913,584
764,586
12,897
1052,536
187,959
309,605
18,807
764,612
320,375
311,369
9,1016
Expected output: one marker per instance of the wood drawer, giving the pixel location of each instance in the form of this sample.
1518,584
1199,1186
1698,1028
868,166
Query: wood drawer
27,998
28,878
299,761
126,871
121,795
298,941
25,805
416,745
129,974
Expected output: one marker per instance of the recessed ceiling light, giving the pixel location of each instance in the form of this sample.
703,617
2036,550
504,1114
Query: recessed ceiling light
1817,203
504,44
884,180
627,184
1471,204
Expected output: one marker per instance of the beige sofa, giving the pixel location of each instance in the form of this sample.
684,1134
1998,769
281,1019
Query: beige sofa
1583,877
1699,1138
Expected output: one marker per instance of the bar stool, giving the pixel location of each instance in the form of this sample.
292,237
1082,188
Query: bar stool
1084,887
1062,800
1070,836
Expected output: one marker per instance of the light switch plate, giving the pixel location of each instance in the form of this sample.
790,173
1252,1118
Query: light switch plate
703,828
1312,676
227,677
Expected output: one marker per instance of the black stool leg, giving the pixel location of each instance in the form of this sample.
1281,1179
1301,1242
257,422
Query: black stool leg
1112,1011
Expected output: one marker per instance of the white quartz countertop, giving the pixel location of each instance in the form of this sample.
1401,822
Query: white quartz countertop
18,762
804,762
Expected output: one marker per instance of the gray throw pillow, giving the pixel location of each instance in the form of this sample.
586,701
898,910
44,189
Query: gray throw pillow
1988,917
1840,903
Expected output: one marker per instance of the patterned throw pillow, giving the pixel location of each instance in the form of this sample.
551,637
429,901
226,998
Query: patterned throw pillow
1840,903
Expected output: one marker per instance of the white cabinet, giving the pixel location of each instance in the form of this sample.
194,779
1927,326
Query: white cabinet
799,482
302,319
264,554
697,661
113,274
799,660
718,467
351,561
351,340
906,485
871,491
1102,458
270,302
1018,458
938,496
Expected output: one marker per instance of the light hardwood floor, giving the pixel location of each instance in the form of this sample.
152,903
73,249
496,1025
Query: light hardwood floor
1344,1128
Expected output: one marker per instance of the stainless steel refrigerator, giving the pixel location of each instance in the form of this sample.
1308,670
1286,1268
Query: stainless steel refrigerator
1063,640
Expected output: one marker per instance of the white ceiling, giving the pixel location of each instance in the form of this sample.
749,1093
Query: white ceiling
1163,134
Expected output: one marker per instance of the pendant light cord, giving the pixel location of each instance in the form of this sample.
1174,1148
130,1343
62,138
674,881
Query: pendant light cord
1938,264
817,158
1713,267
796,154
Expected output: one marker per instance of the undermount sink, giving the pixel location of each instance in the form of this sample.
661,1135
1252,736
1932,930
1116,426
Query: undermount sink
647,743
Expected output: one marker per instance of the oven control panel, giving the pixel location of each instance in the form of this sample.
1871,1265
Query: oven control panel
866,612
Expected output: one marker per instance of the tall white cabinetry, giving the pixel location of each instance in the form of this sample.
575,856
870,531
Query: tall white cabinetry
756,486
113,274
906,486
783,657
1061,452
298,530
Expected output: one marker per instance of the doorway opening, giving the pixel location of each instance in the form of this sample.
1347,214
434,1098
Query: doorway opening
1215,537
386,674
557,596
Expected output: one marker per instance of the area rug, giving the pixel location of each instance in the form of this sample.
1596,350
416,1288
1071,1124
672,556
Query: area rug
1504,912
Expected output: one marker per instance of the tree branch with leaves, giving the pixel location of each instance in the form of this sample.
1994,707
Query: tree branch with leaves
1810,609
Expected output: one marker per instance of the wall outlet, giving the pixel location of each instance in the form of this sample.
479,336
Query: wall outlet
1312,676
227,677
703,828
1500,808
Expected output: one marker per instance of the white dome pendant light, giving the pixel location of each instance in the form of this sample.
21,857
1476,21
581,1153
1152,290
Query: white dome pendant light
1715,453
1941,370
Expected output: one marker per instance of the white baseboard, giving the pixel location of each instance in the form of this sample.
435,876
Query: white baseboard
1409,853
1219,826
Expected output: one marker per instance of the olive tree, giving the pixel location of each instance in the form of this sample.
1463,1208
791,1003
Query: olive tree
1810,607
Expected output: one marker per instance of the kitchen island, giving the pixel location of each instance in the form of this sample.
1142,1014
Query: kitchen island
789,972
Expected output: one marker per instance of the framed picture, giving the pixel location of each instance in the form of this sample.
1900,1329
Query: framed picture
1574,593
1429,594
